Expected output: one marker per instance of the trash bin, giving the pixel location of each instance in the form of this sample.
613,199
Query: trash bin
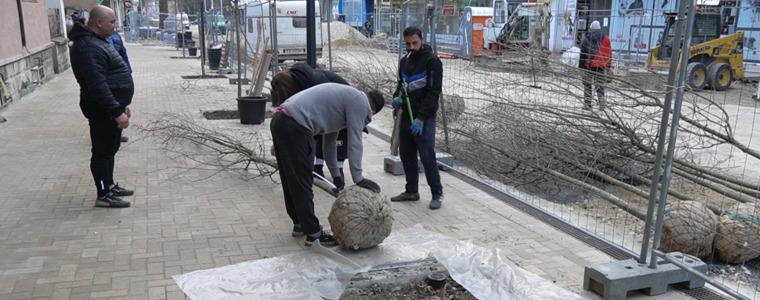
252,109
192,51
214,58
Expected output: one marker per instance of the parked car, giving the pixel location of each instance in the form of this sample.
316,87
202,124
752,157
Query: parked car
170,23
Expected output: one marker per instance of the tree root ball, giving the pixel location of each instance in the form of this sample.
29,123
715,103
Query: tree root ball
738,237
454,108
689,227
360,218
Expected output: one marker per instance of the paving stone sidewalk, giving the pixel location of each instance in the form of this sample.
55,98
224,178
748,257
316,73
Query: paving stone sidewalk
54,244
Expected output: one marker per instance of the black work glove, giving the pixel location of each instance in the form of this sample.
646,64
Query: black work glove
369,184
318,170
339,183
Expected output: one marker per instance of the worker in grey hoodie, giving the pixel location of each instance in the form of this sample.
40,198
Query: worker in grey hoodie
325,110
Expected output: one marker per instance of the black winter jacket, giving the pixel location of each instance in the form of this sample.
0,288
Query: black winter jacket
105,81
307,77
423,73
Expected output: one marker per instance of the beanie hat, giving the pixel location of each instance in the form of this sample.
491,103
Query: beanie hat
595,25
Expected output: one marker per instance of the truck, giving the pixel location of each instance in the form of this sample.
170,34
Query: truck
291,24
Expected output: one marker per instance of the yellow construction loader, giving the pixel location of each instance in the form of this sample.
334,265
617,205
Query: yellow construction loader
714,61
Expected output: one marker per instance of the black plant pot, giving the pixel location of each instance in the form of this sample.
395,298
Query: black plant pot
252,109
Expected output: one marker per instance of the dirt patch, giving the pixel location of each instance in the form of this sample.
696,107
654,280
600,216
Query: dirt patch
406,280
413,290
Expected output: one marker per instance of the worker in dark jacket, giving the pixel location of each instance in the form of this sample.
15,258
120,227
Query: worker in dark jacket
420,77
106,90
324,110
297,78
595,59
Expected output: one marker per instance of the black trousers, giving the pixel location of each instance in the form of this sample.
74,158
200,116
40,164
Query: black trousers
424,145
106,139
294,147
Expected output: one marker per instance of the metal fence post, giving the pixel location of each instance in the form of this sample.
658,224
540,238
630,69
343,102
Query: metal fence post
237,48
329,35
273,36
684,59
433,29
662,132
202,33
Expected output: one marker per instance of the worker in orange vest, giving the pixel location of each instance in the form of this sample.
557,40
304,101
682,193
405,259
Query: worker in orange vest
595,59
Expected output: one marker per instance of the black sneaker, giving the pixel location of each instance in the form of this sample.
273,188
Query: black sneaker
111,201
118,191
406,197
297,231
436,202
325,239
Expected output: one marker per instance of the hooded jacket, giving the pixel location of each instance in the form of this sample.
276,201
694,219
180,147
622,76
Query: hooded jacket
422,72
307,77
105,82
596,51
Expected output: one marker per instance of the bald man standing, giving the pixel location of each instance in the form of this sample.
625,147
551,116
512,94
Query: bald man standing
105,92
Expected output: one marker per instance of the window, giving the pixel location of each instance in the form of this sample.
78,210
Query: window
250,25
299,22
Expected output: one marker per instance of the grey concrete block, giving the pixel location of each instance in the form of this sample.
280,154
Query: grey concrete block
393,165
615,279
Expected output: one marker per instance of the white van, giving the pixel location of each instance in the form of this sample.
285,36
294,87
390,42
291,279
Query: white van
291,28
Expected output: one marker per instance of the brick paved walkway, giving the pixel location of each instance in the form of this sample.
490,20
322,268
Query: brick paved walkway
55,244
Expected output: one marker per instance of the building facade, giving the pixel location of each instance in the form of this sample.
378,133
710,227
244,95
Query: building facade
33,48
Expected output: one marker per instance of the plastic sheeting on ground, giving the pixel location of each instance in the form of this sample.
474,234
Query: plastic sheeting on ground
321,273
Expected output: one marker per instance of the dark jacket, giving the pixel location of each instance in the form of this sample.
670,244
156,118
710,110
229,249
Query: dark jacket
117,43
422,72
307,77
105,82
595,48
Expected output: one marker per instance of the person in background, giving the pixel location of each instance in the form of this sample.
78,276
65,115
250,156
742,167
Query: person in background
297,78
106,90
118,44
325,110
595,60
420,78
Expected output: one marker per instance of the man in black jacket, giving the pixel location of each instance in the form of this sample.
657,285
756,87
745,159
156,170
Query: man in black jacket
297,78
106,90
420,78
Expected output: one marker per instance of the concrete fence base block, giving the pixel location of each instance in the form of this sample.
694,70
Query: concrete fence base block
614,280
392,164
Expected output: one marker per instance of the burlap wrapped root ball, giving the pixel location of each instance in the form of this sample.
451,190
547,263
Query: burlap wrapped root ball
360,218
454,105
690,228
738,237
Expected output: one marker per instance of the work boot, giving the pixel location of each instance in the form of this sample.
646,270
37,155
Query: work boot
297,231
124,139
325,239
436,202
406,197
118,191
111,202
